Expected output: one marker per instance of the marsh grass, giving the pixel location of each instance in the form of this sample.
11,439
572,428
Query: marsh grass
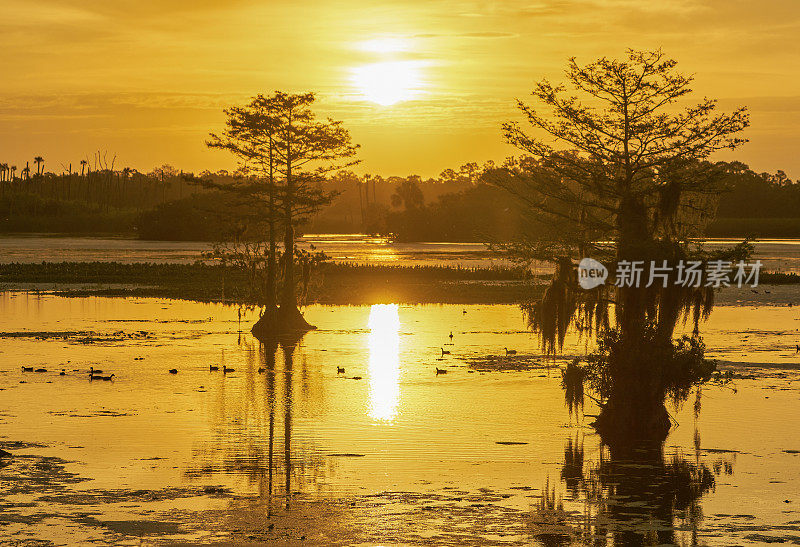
331,284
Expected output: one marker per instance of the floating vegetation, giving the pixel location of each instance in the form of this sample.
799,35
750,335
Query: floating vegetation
81,337
504,363
96,414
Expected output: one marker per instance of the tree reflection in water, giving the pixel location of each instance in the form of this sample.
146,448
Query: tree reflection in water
632,495
246,427
607,494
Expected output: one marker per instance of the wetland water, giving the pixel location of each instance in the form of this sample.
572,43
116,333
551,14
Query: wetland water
355,248
777,255
486,452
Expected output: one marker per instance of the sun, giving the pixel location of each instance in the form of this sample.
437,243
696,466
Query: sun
389,82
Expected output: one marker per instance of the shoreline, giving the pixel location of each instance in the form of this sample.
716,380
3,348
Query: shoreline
331,283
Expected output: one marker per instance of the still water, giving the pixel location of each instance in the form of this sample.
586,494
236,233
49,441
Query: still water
285,446
354,248
779,255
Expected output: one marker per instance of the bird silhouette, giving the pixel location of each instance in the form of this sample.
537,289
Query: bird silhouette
440,371
227,369
104,378
173,371
213,368
27,369
93,370
511,351
445,352
339,370
41,370
451,337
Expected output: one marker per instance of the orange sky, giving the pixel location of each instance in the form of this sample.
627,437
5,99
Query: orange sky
147,80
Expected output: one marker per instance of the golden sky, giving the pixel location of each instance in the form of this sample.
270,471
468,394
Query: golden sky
422,84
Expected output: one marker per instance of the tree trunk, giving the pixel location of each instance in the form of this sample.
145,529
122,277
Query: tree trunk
288,318
633,417
267,324
635,407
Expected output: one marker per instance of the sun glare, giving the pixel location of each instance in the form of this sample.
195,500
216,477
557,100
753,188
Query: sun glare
385,45
389,82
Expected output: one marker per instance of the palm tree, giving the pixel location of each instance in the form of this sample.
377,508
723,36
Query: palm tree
39,161
13,169
83,166
26,172
3,171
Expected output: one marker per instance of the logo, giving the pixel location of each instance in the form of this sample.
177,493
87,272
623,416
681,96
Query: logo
591,273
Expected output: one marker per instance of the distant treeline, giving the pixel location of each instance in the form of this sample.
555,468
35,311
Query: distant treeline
757,204
167,204
90,200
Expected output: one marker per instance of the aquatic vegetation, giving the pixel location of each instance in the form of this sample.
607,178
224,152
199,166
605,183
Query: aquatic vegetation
333,283
502,363
677,367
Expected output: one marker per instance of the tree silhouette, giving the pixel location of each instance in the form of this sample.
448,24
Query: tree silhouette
307,150
250,135
622,176
290,152
39,161
408,196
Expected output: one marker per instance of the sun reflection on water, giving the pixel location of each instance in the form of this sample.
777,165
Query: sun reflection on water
384,361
